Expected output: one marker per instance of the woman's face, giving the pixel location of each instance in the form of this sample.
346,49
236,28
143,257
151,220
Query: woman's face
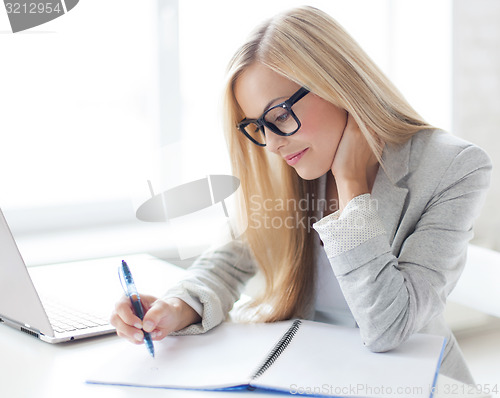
311,150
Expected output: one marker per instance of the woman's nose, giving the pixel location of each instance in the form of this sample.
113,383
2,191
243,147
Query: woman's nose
274,141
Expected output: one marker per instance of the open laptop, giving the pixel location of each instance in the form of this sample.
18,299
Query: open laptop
22,308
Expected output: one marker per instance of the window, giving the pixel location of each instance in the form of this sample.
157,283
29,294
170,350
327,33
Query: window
79,115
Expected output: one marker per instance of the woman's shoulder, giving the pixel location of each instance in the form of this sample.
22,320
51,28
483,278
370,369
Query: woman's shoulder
438,150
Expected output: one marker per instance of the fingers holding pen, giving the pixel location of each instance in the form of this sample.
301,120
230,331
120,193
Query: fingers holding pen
169,315
160,320
131,333
162,317
127,324
124,311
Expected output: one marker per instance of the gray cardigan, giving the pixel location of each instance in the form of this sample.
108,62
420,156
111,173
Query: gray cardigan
427,194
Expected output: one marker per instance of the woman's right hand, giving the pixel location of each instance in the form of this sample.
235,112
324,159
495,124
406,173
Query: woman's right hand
161,318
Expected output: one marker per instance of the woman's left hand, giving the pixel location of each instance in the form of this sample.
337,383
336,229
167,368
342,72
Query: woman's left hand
352,162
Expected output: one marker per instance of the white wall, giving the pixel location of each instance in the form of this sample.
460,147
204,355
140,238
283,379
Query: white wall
476,96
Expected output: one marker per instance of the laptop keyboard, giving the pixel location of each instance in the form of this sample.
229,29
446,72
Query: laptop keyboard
66,319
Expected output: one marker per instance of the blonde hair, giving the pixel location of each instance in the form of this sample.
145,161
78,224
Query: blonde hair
310,48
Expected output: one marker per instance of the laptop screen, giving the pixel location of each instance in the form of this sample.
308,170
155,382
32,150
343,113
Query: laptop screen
19,300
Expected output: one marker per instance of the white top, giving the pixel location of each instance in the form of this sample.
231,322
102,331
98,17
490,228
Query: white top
330,305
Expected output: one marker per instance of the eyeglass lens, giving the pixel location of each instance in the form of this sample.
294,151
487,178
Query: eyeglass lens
279,120
282,119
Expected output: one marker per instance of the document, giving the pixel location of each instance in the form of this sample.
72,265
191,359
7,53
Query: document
297,357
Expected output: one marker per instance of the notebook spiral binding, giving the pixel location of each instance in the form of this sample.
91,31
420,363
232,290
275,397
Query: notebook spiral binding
278,349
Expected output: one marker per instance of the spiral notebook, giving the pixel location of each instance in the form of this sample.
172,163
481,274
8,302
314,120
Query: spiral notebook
295,357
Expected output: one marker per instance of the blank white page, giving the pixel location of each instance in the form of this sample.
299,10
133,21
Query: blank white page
226,356
325,359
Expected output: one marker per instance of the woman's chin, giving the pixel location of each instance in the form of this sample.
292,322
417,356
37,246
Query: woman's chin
308,174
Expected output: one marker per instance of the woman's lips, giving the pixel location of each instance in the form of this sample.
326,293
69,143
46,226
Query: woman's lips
295,157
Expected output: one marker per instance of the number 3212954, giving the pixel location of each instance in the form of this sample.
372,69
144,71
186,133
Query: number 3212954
33,8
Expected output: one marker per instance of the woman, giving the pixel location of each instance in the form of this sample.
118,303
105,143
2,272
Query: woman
391,200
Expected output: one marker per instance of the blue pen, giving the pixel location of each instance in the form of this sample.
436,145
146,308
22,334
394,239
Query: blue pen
131,291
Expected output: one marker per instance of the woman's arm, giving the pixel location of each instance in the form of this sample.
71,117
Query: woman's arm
354,165
213,284
196,304
392,296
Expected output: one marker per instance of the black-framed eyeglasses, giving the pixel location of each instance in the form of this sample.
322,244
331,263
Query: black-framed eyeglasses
280,119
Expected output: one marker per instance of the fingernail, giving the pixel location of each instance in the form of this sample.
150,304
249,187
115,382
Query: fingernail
138,325
138,336
148,326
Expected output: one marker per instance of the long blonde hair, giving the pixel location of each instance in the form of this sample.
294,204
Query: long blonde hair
310,48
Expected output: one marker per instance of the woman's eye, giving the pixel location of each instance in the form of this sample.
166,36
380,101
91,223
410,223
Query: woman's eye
282,117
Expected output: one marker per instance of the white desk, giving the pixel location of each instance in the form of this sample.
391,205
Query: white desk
31,368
